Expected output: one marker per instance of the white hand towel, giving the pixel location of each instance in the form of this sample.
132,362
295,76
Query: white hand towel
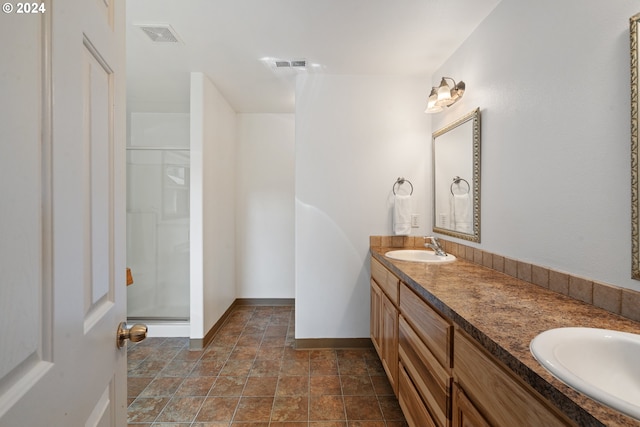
402,215
461,213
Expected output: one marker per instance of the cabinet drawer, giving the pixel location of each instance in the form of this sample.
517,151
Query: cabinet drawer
431,380
434,330
412,407
477,372
387,281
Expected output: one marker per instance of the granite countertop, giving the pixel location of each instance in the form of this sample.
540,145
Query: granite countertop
504,314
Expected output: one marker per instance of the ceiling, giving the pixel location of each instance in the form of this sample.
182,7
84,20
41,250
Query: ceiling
228,40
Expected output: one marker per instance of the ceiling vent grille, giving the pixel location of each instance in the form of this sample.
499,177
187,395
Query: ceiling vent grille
160,33
296,63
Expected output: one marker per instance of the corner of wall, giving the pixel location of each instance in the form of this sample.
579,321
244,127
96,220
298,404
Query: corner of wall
213,138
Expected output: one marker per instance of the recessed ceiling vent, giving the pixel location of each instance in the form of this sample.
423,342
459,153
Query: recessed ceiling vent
297,63
160,33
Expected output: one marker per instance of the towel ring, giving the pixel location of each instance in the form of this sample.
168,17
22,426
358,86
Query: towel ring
399,182
456,180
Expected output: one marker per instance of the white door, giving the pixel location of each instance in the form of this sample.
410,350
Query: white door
62,213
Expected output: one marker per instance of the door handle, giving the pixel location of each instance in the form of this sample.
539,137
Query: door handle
136,333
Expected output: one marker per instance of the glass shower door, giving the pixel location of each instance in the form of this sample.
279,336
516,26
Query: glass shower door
158,233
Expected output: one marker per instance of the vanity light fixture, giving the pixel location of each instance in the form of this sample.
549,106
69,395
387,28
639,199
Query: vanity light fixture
444,96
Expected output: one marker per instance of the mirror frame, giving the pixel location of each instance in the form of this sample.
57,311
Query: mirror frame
473,116
634,27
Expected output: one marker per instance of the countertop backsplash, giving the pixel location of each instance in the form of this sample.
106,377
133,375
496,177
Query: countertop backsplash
617,300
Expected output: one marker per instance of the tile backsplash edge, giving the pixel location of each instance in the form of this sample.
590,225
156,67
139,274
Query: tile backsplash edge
617,300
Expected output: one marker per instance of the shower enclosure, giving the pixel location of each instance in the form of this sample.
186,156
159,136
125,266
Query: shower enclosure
158,232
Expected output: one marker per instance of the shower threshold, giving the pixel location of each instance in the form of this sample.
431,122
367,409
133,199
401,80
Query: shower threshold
163,326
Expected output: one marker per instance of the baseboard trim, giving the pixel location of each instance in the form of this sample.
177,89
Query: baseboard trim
319,343
301,343
266,301
201,343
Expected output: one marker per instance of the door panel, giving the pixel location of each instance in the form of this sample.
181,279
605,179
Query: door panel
97,89
62,186
103,413
25,258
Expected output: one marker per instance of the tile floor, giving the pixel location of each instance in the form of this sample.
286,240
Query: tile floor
251,376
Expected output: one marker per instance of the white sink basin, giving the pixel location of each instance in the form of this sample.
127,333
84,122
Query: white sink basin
418,255
603,364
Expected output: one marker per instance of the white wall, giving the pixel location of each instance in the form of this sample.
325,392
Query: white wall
355,135
212,234
265,206
552,81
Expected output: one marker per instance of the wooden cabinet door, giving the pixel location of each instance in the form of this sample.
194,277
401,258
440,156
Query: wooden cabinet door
389,340
464,413
376,317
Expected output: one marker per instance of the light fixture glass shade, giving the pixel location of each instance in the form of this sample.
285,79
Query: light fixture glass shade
454,96
431,104
444,94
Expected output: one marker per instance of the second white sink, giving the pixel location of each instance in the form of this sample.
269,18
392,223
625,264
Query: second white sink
600,363
418,255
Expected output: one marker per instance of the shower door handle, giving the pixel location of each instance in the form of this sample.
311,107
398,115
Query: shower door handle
136,333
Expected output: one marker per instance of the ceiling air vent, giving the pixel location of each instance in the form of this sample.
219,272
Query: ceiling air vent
160,33
294,63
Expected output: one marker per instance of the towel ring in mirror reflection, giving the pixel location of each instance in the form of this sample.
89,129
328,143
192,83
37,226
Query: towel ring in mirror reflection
456,180
399,182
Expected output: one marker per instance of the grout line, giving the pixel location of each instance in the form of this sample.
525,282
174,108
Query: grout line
265,324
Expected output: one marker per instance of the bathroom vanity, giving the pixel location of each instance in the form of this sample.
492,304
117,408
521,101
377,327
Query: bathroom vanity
454,342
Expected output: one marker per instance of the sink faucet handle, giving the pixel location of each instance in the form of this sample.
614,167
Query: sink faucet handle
435,245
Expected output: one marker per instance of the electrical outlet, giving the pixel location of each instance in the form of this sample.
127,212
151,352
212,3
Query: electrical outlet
415,221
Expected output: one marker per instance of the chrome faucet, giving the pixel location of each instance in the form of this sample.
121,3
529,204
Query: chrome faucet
435,245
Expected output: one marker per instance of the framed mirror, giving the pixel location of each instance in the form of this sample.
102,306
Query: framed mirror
456,178
635,117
